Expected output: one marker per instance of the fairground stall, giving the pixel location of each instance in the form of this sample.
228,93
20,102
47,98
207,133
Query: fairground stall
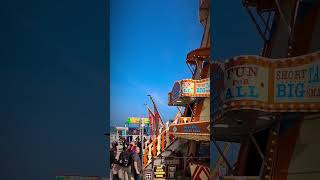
182,149
193,125
270,103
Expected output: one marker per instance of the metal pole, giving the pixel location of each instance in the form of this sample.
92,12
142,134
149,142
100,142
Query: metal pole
152,163
255,23
282,16
222,155
141,141
257,146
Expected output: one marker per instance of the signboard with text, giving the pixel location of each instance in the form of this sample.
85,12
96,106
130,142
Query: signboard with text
195,88
248,82
200,127
273,85
297,84
189,88
159,171
136,120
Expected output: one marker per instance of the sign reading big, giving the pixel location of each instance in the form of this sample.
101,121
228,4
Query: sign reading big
298,84
274,85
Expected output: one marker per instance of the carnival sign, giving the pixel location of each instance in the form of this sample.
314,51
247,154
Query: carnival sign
273,85
297,84
249,82
160,171
136,120
195,88
189,88
193,130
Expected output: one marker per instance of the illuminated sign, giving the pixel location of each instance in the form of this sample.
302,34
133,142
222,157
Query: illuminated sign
273,85
160,171
189,88
195,88
136,120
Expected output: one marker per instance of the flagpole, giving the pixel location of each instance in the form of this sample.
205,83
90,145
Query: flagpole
151,120
151,131
154,104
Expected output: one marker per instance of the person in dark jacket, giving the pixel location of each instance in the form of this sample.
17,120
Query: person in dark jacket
124,160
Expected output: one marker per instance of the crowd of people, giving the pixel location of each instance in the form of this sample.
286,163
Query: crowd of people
129,161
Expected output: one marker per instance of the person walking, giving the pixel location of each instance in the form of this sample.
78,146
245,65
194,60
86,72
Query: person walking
124,160
136,166
112,160
115,170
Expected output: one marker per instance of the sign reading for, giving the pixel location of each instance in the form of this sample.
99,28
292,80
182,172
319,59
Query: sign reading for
246,82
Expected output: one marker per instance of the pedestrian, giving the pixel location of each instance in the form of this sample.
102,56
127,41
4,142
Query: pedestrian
123,144
124,161
139,144
112,160
136,166
115,170
133,145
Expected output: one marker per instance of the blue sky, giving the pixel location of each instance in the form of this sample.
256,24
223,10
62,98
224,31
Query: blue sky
149,44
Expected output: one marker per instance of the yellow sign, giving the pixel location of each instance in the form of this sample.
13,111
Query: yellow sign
136,120
159,171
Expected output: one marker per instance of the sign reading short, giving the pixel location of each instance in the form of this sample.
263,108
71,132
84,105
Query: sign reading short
298,84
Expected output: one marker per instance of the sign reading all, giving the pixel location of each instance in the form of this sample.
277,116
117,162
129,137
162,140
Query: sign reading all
246,82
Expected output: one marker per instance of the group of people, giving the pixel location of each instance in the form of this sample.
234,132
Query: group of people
129,162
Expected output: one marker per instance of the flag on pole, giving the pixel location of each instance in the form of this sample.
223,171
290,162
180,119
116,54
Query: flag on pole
150,114
157,117
153,129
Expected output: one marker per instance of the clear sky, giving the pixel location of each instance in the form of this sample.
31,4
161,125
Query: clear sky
149,44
